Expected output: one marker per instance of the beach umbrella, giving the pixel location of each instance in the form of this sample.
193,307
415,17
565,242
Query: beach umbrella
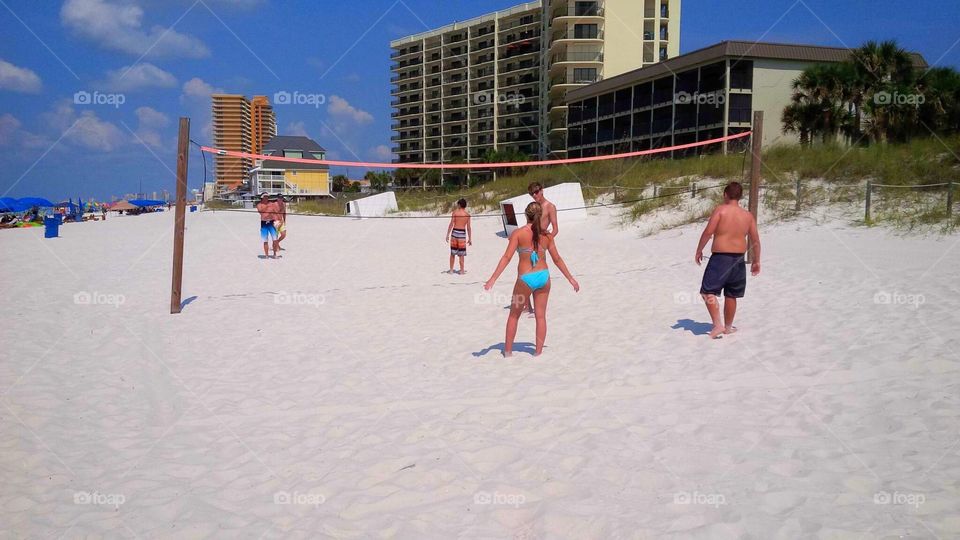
146,202
122,205
9,204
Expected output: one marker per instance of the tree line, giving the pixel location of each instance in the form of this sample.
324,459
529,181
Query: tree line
381,181
878,95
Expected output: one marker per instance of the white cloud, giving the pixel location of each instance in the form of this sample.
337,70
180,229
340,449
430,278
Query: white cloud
86,130
18,79
9,126
143,75
197,88
381,153
342,112
296,128
149,117
150,122
12,134
96,134
119,27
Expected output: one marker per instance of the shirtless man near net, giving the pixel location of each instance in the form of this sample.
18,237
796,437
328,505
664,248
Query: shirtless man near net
729,226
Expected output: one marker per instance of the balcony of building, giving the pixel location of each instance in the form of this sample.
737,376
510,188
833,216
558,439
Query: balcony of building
524,22
571,59
567,34
578,11
406,51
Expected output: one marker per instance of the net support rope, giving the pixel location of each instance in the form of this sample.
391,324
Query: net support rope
491,215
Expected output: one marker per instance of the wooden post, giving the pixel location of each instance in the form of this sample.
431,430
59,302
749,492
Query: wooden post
183,147
656,191
693,191
866,214
950,199
756,162
798,196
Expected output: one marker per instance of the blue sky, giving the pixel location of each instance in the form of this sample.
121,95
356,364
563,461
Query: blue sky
166,56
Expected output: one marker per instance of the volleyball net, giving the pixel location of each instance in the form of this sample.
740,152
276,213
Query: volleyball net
477,166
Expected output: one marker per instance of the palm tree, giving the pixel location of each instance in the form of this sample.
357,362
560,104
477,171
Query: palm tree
940,110
800,118
819,97
885,70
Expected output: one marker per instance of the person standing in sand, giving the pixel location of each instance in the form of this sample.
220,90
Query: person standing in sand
459,234
533,275
548,222
269,214
282,225
729,226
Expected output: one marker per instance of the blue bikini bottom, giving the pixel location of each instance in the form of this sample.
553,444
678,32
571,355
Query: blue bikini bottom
537,280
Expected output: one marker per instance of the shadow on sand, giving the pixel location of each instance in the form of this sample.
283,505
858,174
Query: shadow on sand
187,302
518,347
695,328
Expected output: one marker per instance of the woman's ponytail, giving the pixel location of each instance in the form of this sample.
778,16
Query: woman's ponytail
534,214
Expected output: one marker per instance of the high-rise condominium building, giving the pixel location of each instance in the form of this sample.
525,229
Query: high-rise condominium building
241,126
499,81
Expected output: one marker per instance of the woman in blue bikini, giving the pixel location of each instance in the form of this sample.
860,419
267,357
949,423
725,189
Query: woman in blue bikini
533,275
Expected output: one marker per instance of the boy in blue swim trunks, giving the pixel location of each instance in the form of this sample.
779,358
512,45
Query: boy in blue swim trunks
726,273
269,215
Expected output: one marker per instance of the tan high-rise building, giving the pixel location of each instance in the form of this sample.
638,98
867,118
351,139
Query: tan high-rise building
499,81
263,123
239,125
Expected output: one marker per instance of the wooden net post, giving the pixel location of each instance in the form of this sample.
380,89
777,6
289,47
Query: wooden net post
183,147
756,163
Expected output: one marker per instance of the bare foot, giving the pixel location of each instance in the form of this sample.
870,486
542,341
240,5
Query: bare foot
730,330
462,272
717,332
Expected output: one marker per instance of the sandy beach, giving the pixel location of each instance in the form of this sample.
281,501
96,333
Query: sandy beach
352,389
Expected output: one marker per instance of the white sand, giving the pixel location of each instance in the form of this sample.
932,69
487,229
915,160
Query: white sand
372,391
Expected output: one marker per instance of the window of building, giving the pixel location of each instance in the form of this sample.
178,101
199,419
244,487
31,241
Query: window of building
586,31
741,107
586,9
584,75
293,154
663,90
318,155
642,94
623,100
589,109
741,75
